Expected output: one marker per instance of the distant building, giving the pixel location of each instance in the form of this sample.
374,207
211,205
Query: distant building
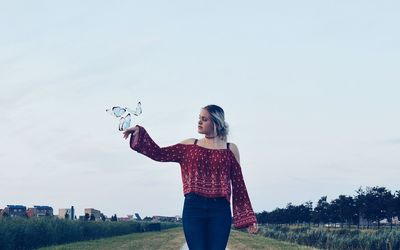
39,211
31,212
127,218
364,222
14,211
396,220
94,212
158,218
65,213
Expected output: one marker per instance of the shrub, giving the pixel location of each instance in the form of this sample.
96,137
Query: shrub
337,239
31,233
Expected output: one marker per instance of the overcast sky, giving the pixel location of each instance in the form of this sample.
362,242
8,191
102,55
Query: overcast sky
310,90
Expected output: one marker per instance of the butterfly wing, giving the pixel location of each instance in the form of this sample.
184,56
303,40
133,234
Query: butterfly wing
116,111
138,110
124,122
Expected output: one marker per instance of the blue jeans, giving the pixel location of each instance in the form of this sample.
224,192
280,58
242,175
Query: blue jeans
206,222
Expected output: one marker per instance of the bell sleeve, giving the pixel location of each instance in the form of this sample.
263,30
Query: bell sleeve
142,143
243,215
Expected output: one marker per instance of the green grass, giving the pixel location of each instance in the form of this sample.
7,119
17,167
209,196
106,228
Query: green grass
169,239
336,238
174,239
243,241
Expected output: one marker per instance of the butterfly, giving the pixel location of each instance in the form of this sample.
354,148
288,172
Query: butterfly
125,121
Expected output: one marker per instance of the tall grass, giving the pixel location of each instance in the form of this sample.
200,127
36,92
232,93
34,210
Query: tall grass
21,233
384,239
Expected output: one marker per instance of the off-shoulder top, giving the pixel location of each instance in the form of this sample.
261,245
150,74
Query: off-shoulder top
207,172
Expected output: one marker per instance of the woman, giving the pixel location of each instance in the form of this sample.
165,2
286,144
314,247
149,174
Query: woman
208,166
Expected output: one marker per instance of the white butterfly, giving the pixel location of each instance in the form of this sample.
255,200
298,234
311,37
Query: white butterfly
124,122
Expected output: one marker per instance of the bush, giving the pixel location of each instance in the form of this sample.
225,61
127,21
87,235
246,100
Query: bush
337,239
31,233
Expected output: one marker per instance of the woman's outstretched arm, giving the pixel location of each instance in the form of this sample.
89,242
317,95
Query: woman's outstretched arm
141,142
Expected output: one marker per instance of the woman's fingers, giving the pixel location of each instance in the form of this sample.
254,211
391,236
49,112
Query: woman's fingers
253,228
132,131
126,134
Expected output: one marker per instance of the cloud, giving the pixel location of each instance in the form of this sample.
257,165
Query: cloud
393,141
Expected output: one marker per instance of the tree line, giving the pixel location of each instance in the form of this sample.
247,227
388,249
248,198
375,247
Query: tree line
370,205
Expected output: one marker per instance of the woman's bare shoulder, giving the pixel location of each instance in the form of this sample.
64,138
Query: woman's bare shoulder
233,146
235,150
188,141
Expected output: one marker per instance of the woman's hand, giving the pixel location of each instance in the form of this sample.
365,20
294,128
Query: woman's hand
133,130
253,229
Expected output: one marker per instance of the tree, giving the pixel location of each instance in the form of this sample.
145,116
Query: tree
147,218
86,216
321,211
73,213
305,210
396,204
346,209
92,218
333,212
361,205
391,211
374,203
380,199
278,216
290,213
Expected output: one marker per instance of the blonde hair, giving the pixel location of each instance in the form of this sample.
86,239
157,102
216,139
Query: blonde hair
221,127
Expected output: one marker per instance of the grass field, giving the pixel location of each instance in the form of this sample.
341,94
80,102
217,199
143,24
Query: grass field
244,241
174,239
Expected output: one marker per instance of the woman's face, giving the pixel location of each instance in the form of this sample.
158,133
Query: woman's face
205,124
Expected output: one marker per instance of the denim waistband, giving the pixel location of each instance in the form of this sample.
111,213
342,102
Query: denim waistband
200,197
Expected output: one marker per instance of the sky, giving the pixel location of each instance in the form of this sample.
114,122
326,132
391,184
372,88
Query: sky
309,89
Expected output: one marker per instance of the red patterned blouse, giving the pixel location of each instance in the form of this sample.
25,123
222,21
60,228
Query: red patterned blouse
207,172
